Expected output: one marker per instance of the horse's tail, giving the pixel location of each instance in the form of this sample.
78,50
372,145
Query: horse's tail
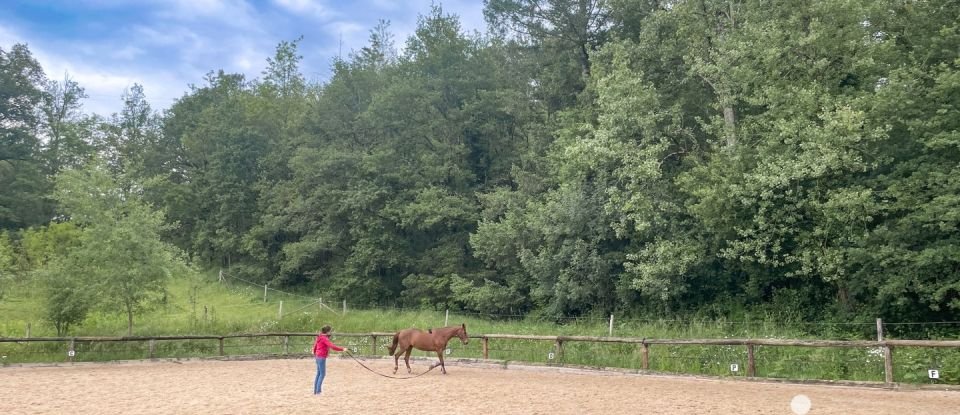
393,347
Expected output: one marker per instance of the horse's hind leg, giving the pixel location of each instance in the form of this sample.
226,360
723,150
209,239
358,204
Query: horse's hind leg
406,359
396,361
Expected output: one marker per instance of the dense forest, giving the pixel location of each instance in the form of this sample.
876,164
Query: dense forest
676,157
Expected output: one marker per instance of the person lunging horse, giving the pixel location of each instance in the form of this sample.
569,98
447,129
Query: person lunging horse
433,341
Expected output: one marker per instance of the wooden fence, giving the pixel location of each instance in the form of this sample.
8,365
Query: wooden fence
558,342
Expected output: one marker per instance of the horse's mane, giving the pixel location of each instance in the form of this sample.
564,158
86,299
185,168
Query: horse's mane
444,330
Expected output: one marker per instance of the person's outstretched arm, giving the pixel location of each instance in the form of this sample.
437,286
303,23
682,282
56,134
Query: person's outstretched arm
331,345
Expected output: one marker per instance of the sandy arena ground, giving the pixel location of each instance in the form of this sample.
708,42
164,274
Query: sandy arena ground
285,387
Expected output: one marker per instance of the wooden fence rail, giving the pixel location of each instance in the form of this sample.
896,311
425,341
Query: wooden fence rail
750,344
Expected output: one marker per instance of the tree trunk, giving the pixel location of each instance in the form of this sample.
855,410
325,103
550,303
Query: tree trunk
584,62
730,124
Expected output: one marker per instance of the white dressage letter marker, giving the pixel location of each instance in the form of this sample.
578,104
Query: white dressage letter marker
734,367
933,374
446,351
71,353
550,355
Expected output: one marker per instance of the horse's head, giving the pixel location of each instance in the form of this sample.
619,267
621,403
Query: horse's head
462,333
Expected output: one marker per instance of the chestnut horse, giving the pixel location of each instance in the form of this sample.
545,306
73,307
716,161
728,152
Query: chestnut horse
434,340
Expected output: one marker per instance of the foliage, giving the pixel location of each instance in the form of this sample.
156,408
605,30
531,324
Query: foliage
683,158
7,263
119,254
23,186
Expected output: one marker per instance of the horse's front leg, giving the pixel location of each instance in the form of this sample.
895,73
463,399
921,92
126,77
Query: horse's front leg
406,359
443,369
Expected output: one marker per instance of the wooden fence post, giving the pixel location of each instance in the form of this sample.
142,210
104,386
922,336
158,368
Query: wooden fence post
887,355
221,346
28,330
71,350
645,361
559,350
751,362
888,364
286,345
373,346
486,347
153,348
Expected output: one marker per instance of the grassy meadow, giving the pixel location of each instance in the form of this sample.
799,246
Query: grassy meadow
207,307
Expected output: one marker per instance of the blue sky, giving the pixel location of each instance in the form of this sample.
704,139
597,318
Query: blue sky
165,45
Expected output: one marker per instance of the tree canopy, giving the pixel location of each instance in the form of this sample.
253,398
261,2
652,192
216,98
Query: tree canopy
711,157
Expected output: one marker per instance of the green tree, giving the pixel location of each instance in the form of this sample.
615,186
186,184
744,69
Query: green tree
581,25
222,151
7,263
120,253
22,182
69,294
67,131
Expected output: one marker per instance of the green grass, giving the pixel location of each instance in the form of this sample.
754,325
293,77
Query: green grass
204,307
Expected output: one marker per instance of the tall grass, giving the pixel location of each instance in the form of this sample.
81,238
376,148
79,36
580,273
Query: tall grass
195,306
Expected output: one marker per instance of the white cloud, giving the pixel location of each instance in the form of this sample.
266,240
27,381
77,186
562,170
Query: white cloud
237,13
103,81
8,38
248,60
314,8
346,29
167,36
105,85
127,53
386,4
168,44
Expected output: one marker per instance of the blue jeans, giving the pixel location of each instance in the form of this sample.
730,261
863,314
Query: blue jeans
321,373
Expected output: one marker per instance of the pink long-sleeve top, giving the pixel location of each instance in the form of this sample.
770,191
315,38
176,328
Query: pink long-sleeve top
321,348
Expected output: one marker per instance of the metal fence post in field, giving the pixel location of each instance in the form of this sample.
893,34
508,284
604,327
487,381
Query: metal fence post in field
887,354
